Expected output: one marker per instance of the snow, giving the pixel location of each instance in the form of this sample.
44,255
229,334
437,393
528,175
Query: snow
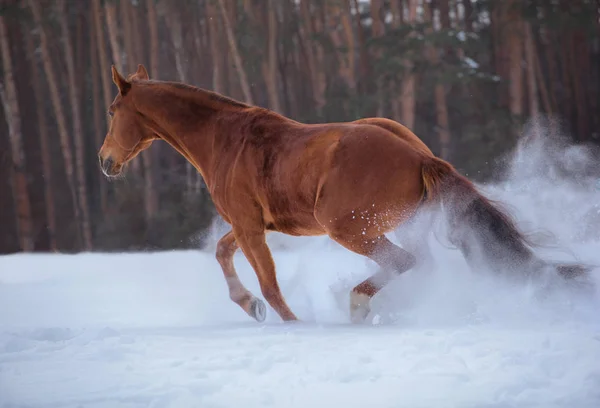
158,329
470,63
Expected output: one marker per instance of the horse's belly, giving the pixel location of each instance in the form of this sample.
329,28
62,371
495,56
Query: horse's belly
297,222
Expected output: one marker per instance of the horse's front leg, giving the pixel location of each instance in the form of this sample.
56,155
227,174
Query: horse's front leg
226,248
254,246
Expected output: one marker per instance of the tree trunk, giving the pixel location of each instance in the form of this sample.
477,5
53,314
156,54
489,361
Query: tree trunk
579,74
530,53
305,48
61,122
350,43
340,29
100,63
111,24
513,27
378,31
173,21
235,53
128,33
567,90
397,7
42,125
86,224
139,48
233,78
200,69
80,52
409,82
150,159
132,57
290,74
441,107
271,66
319,29
397,20
314,56
8,93
215,50
104,64
364,68
469,15
154,42
269,54
98,107
542,86
174,25
548,45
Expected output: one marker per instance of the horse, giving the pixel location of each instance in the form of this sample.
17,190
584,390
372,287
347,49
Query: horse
352,181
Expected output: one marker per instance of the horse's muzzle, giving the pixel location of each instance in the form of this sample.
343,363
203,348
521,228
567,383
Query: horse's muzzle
108,167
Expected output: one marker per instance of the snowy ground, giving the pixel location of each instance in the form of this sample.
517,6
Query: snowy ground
158,330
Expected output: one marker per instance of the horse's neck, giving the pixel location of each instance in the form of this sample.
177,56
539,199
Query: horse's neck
184,118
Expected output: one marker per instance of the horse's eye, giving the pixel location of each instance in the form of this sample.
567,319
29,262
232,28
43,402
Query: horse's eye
110,113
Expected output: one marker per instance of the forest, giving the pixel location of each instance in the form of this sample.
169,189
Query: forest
465,75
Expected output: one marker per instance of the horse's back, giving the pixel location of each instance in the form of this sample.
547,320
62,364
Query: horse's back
399,130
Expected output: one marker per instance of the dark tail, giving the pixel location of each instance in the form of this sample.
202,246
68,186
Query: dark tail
479,228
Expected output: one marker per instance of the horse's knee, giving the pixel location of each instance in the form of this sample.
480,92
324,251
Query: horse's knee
225,250
222,252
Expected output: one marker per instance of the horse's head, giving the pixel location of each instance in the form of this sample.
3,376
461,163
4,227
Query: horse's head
127,135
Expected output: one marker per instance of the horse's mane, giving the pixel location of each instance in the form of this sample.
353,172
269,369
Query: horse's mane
211,95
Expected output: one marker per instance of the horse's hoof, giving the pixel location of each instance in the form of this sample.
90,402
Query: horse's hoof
258,310
359,307
359,315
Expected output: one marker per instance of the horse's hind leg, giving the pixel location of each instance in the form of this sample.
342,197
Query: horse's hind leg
413,236
226,248
392,261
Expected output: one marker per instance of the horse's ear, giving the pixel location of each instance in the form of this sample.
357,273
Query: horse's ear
121,82
141,73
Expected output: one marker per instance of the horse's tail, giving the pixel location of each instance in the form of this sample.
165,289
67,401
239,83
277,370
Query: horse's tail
471,215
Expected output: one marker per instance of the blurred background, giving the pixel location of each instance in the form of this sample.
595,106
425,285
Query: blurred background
464,75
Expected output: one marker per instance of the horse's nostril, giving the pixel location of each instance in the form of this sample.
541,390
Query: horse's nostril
107,163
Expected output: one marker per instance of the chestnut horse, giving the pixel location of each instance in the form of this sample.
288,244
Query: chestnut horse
351,181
